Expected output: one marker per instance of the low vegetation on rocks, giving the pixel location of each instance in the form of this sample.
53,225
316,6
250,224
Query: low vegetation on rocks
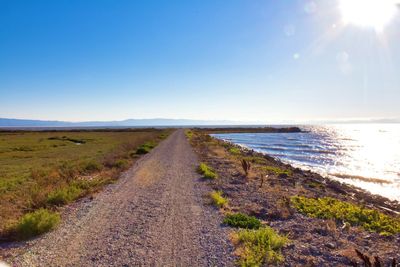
326,225
240,220
207,171
330,208
218,199
256,247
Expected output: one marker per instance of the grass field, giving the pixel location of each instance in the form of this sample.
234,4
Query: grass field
49,169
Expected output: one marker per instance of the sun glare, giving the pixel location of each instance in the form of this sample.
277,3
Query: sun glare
368,13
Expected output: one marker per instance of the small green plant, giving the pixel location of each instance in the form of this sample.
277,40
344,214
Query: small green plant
189,134
330,208
207,171
276,170
64,195
36,223
256,247
241,220
145,148
217,199
234,151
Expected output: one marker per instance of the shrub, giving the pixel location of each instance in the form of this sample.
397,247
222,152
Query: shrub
64,195
36,223
217,199
68,171
256,247
330,208
276,170
145,148
234,151
189,134
207,171
121,164
241,220
92,166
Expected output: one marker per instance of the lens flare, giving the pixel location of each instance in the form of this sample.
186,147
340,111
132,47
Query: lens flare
368,13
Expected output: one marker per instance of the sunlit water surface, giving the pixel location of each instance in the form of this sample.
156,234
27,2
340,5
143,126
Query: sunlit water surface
365,155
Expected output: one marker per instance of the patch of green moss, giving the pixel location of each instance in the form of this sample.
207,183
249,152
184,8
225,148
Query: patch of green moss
330,208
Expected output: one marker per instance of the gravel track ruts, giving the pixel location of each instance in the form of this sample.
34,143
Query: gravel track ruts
155,215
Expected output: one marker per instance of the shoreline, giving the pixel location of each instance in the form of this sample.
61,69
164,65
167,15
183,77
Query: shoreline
352,190
316,241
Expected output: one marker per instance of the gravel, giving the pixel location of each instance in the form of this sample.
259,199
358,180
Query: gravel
155,215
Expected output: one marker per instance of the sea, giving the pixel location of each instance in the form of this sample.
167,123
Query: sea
364,155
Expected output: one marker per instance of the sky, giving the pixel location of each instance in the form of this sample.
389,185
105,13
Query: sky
259,60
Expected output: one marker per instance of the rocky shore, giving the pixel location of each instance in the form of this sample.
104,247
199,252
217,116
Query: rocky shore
267,191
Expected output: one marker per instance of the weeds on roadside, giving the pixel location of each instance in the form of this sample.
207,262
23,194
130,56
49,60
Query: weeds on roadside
241,220
36,223
256,247
145,148
218,200
207,171
330,208
189,134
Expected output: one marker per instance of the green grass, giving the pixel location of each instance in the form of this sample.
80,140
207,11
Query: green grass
241,220
38,168
36,223
145,148
330,208
276,170
218,200
207,171
257,247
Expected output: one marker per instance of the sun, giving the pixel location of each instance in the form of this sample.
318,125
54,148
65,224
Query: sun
368,13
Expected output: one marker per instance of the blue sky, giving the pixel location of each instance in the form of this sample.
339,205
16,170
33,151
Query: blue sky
267,60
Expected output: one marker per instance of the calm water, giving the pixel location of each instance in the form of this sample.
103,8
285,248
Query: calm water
365,155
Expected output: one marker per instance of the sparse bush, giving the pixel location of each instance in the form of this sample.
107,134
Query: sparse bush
241,220
36,223
276,170
145,148
330,208
256,247
68,171
207,171
234,151
121,164
189,134
92,166
64,195
217,199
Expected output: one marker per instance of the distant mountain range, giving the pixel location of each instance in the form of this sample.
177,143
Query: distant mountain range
124,123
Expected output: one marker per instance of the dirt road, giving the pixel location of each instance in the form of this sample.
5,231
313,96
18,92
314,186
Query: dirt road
155,215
